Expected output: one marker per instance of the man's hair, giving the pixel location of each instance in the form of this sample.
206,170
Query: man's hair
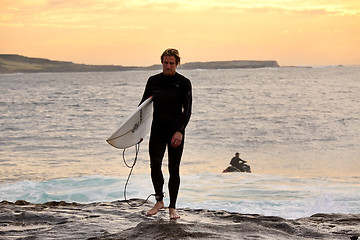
171,52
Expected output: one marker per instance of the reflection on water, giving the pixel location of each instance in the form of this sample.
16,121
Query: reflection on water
286,121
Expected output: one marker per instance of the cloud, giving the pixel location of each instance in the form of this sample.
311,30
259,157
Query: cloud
302,11
313,7
111,13
73,26
287,7
81,14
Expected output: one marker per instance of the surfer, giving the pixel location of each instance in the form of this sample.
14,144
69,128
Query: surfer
237,162
172,99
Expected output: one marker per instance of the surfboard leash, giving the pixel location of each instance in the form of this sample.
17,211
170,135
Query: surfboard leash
137,149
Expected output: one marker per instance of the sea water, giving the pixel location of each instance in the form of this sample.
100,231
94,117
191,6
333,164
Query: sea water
298,128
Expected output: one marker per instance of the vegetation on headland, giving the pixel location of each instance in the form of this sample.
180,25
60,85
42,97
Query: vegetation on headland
12,63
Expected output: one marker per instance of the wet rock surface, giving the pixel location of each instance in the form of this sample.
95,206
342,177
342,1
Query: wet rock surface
118,220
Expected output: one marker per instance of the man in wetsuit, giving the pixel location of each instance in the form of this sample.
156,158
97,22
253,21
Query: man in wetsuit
237,162
172,99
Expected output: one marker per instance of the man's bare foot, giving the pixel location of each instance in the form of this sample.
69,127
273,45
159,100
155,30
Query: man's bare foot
158,205
173,214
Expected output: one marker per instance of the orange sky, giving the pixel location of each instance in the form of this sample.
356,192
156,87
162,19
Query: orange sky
135,32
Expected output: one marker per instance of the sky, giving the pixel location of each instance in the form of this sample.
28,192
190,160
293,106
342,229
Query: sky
136,32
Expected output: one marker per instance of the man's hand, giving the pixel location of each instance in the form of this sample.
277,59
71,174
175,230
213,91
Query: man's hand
176,139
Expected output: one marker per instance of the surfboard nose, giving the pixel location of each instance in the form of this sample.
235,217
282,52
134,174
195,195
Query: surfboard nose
135,127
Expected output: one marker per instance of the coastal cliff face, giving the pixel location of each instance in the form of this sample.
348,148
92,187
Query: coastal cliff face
230,64
10,63
19,64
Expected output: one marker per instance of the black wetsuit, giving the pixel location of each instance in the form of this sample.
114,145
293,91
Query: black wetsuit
172,100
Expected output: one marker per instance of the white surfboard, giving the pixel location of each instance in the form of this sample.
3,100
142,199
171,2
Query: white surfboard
135,127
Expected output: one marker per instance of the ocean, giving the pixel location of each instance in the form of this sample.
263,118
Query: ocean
298,129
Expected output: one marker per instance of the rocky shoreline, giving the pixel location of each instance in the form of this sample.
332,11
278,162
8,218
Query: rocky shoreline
12,63
119,220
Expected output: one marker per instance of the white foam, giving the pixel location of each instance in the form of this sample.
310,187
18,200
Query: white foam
244,193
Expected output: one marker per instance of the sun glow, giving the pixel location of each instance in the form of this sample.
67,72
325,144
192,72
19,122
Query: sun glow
316,32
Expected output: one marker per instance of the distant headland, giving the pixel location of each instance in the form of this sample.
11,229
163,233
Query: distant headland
12,63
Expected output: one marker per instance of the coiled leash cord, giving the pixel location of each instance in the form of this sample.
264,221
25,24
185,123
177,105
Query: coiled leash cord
137,149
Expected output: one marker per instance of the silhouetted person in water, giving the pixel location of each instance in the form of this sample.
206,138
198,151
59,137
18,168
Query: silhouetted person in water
237,161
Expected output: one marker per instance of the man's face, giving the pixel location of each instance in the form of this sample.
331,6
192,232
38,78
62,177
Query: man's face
169,65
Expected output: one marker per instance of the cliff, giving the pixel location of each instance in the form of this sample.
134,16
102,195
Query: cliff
11,63
230,64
